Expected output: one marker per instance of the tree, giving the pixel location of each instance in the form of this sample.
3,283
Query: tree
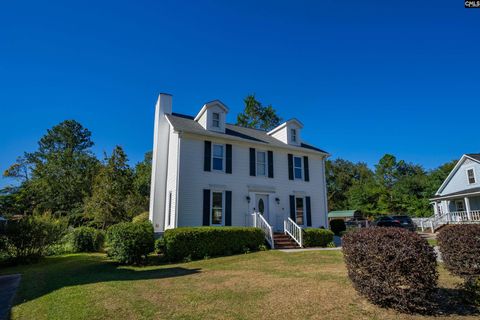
57,176
112,187
257,116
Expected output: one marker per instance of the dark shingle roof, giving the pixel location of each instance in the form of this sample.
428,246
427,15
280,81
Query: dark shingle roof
475,156
188,124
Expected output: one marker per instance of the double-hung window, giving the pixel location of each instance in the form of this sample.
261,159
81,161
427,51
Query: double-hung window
299,211
216,120
261,163
293,135
297,167
217,208
471,176
218,156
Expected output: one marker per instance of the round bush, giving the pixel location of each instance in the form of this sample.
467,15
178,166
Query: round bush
460,248
87,239
160,245
337,226
391,267
142,217
313,237
129,242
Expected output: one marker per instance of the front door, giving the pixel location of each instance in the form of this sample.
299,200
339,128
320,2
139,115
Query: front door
261,205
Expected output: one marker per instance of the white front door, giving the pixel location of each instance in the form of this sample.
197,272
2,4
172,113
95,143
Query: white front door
261,205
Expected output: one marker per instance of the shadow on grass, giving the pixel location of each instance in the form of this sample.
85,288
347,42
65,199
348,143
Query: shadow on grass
452,302
54,273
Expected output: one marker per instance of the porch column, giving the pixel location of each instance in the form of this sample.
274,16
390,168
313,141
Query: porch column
435,208
467,206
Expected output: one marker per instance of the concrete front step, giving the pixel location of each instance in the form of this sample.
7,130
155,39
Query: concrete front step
283,241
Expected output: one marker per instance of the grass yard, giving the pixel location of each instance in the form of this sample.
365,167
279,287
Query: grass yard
262,285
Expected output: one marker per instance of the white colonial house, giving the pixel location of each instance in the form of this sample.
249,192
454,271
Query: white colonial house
458,198
207,172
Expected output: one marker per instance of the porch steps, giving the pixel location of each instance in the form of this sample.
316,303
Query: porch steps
284,241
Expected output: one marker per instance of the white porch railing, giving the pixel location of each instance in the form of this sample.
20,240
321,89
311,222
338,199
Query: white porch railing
260,222
293,230
456,217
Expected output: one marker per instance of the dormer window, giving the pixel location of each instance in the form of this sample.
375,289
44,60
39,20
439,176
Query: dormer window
216,120
293,134
471,176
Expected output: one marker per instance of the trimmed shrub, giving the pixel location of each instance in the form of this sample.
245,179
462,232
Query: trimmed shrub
160,245
129,242
200,242
391,267
87,239
142,217
29,238
313,237
460,248
337,226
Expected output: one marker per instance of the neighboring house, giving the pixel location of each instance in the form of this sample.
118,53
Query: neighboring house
345,215
458,198
211,173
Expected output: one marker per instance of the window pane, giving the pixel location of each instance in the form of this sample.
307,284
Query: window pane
217,208
218,151
298,173
216,116
261,169
261,157
298,162
471,176
299,207
217,163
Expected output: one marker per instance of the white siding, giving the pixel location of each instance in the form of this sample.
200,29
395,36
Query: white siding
459,180
172,178
193,179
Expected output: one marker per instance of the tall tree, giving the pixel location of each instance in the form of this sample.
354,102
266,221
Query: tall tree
59,174
257,116
111,189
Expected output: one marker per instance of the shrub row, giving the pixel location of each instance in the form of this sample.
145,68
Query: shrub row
30,237
460,249
87,239
391,267
200,242
313,237
129,242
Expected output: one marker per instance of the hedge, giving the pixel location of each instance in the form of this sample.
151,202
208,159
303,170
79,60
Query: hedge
460,248
392,267
313,237
199,242
87,239
129,242
29,238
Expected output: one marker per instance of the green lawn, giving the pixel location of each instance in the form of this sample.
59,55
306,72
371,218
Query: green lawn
262,285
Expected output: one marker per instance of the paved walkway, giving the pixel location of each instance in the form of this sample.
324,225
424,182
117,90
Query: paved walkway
8,287
310,249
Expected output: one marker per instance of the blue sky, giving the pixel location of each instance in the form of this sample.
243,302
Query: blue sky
365,77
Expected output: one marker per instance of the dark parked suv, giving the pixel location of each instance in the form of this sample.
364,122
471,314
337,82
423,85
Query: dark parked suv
406,222
387,221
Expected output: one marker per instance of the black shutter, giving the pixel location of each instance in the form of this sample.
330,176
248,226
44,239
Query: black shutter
228,167
270,164
207,156
290,166
252,161
228,208
206,207
292,208
308,209
307,172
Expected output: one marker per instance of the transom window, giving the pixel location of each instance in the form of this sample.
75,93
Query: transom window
299,211
218,156
293,133
216,120
217,208
297,167
471,176
261,163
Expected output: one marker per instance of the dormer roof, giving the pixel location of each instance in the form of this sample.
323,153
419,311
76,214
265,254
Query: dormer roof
207,105
286,123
